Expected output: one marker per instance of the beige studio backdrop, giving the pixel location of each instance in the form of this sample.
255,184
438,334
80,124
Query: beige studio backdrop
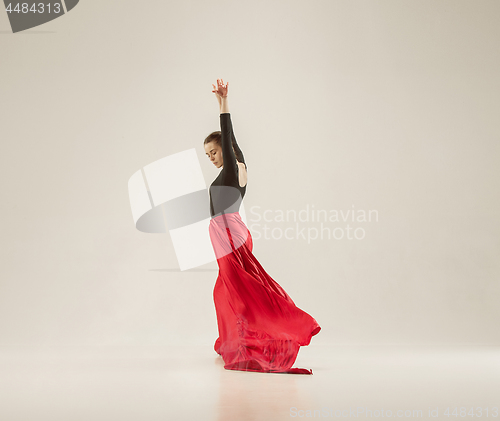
338,105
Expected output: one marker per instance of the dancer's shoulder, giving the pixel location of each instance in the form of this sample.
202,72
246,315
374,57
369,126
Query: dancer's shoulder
242,174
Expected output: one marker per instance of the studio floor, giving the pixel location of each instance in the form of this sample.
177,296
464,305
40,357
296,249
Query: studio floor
157,383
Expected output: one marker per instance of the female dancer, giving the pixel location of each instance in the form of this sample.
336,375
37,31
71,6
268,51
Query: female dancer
260,327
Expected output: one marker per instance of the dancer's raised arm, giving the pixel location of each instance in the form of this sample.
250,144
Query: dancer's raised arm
230,149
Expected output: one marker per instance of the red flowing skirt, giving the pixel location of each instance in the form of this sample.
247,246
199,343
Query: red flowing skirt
260,327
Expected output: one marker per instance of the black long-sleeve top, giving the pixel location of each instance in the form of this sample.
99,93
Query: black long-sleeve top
225,191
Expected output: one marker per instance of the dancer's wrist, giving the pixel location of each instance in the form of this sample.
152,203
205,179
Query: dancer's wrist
224,106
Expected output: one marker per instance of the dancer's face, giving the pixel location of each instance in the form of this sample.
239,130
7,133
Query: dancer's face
214,153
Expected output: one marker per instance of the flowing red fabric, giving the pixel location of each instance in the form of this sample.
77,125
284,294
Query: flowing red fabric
260,327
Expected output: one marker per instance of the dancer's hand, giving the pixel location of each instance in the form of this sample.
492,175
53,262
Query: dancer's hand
221,90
